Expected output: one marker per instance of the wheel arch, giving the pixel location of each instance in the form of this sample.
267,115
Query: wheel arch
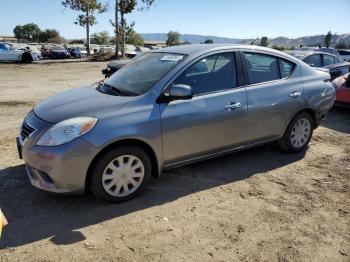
308,110
130,141
26,55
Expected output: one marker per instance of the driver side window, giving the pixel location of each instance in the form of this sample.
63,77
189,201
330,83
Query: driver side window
211,74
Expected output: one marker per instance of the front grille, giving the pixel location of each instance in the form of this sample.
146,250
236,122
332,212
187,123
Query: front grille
26,130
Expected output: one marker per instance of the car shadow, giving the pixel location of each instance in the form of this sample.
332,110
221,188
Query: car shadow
338,119
35,215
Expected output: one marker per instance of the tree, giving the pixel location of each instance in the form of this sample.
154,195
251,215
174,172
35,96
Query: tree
76,41
134,38
48,34
280,48
264,41
173,38
209,41
57,40
101,38
328,39
87,18
124,7
29,32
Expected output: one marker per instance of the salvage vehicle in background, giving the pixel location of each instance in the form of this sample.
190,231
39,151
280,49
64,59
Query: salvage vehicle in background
334,64
58,52
77,51
8,53
158,111
114,66
342,85
345,54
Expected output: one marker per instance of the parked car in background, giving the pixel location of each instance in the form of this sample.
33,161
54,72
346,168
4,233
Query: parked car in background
157,112
329,50
8,53
130,51
45,50
58,52
336,66
114,66
345,54
77,51
342,85
32,48
141,49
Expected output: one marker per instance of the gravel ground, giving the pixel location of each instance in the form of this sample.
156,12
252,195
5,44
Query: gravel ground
256,205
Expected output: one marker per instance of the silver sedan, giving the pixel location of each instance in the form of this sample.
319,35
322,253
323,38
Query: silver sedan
170,107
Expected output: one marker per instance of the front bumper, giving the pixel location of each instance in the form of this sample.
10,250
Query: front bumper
59,169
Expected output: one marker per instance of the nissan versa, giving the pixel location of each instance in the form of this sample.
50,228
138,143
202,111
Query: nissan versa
167,108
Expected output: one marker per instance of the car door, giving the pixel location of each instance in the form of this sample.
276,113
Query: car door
4,52
336,68
274,95
214,119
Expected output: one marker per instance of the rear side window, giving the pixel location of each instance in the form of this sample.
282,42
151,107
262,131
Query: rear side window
286,67
263,68
313,60
328,60
211,74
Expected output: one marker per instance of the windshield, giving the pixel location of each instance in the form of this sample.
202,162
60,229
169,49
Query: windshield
142,73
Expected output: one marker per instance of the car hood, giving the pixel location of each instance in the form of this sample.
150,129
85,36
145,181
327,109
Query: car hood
83,101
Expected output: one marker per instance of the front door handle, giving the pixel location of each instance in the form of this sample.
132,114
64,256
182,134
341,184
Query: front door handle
232,106
295,94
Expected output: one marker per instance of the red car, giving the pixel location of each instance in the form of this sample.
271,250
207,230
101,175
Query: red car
342,85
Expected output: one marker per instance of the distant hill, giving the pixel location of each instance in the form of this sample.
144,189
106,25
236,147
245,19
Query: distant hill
193,39
281,41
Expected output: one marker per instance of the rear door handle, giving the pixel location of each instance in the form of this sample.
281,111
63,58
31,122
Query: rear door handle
295,94
232,106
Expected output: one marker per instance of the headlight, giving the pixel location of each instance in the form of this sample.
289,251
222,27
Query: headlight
66,131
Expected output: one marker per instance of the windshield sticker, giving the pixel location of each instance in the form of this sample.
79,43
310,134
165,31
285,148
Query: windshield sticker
172,58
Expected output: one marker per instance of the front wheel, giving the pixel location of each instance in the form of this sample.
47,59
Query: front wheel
298,134
121,174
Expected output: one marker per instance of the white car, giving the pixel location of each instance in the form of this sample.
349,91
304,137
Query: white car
7,53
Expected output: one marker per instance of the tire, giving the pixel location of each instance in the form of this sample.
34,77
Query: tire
300,129
109,185
26,58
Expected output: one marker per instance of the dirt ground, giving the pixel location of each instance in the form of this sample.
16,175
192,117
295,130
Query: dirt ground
255,205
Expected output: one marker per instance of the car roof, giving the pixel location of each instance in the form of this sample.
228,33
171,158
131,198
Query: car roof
200,48
307,52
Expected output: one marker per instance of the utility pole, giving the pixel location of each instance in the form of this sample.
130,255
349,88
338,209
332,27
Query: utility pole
116,29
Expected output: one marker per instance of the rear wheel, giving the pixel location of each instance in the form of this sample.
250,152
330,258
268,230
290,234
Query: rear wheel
298,134
121,174
26,58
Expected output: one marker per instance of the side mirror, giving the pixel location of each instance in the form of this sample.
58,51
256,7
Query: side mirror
176,92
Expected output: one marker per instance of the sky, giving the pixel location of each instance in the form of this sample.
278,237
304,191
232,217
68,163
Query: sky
226,18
